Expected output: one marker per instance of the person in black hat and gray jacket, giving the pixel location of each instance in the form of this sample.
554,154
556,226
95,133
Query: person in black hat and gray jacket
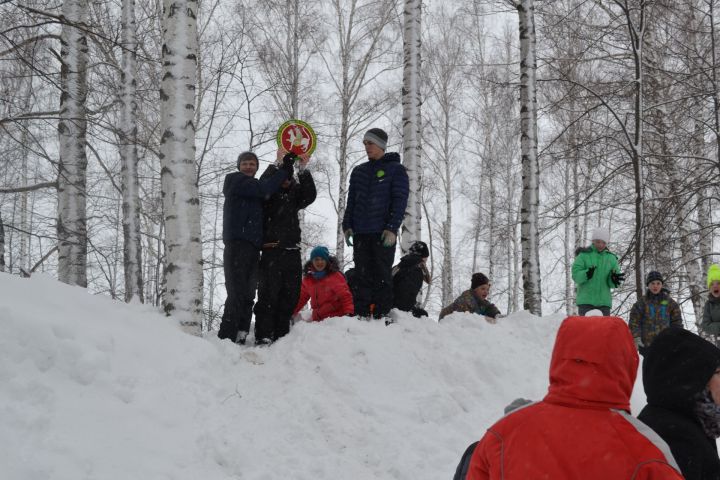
408,277
474,300
376,202
681,376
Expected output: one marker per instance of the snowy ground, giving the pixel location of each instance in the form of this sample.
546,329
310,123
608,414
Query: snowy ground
95,389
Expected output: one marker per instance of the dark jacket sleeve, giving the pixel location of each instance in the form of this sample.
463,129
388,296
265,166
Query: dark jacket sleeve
254,188
675,315
399,192
636,314
350,204
490,309
307,193
461,473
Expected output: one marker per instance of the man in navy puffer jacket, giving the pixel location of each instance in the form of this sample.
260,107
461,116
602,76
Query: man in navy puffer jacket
242,236
376,204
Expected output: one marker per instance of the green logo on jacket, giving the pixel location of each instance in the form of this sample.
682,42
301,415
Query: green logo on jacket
380,173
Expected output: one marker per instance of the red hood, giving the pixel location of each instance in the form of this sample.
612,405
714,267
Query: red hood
594,364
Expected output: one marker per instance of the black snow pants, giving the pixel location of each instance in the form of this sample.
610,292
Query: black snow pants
373,273
279,274
240,261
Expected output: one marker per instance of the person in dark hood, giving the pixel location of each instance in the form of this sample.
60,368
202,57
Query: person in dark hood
681,376
280,269
376,202
408,277
653,313
582,429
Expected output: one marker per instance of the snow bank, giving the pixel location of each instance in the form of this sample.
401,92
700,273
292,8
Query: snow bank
93,388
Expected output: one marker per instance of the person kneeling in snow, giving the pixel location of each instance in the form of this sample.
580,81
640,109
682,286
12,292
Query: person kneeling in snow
474,300
325,286
582,428
408,277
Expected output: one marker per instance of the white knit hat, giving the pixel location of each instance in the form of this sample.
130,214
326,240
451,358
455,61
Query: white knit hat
601,233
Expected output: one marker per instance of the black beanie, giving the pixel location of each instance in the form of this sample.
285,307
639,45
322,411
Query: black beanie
478,279
652,276
419,248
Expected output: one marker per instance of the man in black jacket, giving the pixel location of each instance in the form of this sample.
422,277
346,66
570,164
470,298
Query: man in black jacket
408,277
242,236
280,270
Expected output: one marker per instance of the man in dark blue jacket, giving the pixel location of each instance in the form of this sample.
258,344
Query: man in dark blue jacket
243,236
376,204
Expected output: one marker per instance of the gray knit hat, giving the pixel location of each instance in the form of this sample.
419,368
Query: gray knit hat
377,136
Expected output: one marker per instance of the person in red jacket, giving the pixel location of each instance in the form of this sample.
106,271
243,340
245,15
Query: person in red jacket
582,428
325,286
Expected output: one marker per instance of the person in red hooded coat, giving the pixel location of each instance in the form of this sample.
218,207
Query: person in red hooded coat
325,286
582,429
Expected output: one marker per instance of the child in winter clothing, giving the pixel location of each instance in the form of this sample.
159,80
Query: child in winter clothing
653,313
325,286
474,300
711,313
596,271
408,277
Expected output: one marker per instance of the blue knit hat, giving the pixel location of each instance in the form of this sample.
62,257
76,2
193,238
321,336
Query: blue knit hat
321,252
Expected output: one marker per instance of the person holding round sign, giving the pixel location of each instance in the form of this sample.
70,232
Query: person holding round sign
243,237
280,270
376,202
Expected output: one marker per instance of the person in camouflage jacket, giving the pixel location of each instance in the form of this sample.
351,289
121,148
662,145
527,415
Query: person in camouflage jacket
653,313
474,300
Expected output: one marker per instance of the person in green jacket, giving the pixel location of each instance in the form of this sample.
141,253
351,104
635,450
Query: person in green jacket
595,271
711,313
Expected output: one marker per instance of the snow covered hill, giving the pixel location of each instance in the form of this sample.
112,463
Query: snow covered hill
92,388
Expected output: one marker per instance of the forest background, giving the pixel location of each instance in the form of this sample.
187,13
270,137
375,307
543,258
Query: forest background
120,119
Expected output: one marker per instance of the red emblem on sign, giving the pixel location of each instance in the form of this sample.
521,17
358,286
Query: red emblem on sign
297,137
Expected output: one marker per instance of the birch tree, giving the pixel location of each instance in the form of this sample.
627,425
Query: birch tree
181,204
2,244
529,226
72,128
412,120
132,246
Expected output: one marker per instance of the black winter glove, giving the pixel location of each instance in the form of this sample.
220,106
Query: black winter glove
287,164
617,278
289,160
590,272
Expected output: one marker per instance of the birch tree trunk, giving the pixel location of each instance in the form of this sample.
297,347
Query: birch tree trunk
132,247
72,165
530,166
637,39
2,244
181,204
411,101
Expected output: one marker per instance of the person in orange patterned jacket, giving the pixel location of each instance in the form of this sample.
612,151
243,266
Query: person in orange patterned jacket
582,429
325,286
